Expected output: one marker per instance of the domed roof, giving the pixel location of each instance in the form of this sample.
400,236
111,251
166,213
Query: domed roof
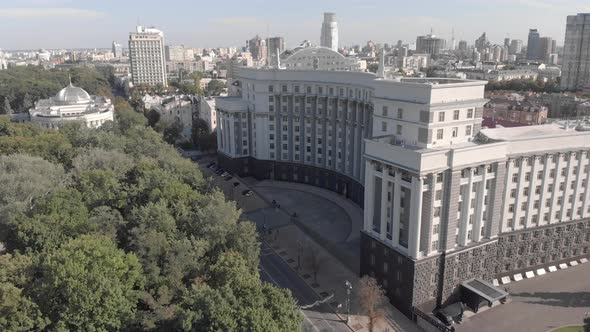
72,95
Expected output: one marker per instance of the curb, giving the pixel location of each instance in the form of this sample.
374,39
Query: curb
316,293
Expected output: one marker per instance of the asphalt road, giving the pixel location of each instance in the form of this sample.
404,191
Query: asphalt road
320,318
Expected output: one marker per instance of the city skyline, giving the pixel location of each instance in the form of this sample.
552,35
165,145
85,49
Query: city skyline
90,24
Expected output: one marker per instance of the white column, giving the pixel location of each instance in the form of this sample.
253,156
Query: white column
531,197
478,213
465,209
369,184
395,210
383,227
415,217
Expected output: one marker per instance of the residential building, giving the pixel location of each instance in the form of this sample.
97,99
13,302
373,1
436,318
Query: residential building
515,46
429,44
117,50
545,49
175,108
208,112
482,43
276,46
175,53
146,56
576,52
258,49
533,45
526,112
329,35
72,104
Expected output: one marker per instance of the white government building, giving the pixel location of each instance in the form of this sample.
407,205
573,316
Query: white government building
72,104
444,200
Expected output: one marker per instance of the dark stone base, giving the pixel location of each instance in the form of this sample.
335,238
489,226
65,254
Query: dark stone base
435,281
294,172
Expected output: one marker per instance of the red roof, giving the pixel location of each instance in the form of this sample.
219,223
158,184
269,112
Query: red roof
488,122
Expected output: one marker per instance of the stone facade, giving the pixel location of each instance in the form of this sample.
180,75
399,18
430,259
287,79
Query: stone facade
435,281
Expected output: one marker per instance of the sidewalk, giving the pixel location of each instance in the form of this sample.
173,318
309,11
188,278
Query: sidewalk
331,277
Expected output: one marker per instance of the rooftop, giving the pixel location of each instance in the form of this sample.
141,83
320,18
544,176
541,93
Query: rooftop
526,132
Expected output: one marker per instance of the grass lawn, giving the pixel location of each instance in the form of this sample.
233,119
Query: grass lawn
570,329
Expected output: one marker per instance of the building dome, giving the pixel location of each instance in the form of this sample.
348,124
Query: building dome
72,95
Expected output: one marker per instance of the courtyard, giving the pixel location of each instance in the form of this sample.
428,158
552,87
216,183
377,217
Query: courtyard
543,303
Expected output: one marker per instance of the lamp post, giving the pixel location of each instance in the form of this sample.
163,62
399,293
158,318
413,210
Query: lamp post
348,286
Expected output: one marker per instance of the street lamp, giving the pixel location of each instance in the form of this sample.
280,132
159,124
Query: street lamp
348,286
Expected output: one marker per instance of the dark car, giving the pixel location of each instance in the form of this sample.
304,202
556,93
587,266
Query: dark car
209,165
236,184
247,193
219,171
229,178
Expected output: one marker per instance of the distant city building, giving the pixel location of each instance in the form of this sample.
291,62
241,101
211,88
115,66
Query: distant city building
524,112
176,108
482,43
319,58
276,46
576,52
515,46
175,53
3,62
257,47
463,45
533,49
545,49
146,56
329,35
72,104
429,44
117,50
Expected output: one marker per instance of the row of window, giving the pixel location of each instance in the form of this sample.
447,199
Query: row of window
331,91
441,114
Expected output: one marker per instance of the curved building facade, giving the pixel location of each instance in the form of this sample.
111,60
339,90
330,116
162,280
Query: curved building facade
297,125
72,104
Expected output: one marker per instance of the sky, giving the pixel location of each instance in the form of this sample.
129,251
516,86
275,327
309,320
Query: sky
34,24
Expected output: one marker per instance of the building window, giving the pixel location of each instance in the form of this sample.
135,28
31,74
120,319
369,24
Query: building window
456,115
439,177
470,113
384,110
441,116
384,126
439,133
455,132
400,113
271,88
468,130
399,129
435,245
435,229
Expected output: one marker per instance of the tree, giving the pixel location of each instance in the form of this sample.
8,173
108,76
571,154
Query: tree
18,312
587,323
5,108
54,219
314,260
215,87
201,135
373,67
371,298
89,285
126,117
27,102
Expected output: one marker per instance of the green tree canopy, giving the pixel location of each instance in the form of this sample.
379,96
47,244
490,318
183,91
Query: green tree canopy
89,285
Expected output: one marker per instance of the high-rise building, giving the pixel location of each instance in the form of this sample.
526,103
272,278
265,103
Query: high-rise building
515,46
554,46
329,36
482,43
276,46
507,42
257,47
545,46
575,69
463,45
117,49
532,51
175,52
146,56
429,44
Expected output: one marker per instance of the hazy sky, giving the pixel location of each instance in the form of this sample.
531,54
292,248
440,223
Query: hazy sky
28,24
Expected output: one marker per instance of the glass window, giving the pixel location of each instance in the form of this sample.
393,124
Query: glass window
456,115
441,116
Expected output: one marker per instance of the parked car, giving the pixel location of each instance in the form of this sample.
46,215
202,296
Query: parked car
209,165
220,171
224,174
236,184
247,193
229,178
